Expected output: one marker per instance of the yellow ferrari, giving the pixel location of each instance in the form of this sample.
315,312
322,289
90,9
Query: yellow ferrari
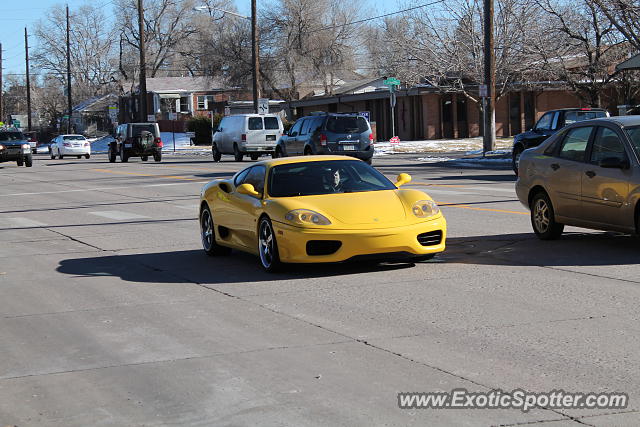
315,209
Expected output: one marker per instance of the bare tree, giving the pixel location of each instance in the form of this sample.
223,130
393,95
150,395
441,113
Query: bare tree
581,47
624,15
92,49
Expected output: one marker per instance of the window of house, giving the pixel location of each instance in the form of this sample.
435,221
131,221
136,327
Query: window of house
184,104
205,102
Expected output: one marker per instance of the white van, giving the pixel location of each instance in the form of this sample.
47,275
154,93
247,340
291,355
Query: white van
252,134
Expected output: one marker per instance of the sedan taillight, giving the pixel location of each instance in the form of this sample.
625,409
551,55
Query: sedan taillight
66,144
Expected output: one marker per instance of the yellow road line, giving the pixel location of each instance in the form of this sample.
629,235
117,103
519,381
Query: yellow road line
151,175
454,205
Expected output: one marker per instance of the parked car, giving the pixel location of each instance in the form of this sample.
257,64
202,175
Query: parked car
550,123
241,134
32,137
70,145
43,147
136,140
328,133
319,209
587,175
14,146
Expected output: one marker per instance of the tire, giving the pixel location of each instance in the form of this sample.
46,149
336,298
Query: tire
53,156
112,154
157,157
20,161
60,156
543,218
124,158
144,158
237,154
277,153
268,247
87,156
208,235
254,157
515,157
369,161
79,157
28,161
307,151
217,155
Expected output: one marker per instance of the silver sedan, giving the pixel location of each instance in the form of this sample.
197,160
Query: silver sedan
587,175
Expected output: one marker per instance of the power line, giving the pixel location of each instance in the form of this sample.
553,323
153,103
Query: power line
360,21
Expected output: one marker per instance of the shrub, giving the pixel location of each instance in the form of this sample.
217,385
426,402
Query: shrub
201,125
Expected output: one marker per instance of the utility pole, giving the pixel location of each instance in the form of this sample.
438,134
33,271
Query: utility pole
1,87
254,52
143,66
69,104
26,57
489,137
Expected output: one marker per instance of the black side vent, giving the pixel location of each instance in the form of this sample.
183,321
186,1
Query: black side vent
322,247
431,238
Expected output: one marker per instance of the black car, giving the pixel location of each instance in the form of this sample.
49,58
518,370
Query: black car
136,140
14,146
328,133
551,122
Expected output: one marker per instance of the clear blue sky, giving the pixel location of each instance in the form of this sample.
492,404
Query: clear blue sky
16,15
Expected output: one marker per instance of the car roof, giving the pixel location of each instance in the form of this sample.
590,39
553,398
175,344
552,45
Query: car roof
623,121
579,109
301,159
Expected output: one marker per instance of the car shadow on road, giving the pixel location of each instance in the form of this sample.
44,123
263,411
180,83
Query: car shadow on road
588,248
194,266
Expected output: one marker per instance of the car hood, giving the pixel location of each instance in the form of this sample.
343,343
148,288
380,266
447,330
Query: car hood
371,208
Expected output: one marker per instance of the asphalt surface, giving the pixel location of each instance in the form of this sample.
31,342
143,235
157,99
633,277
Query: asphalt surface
111,314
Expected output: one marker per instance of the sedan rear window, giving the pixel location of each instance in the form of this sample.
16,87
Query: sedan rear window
136,130
325,177
347,124
11,136
271,123
73,138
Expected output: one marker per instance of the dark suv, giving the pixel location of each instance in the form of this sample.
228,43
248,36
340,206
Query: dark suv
551,122
328,133
136,139
14,146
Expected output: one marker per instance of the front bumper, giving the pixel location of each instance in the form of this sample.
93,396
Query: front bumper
292,241
9,154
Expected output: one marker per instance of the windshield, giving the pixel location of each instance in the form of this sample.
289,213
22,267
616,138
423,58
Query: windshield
634,136
347,124
325,177
11,136
73,138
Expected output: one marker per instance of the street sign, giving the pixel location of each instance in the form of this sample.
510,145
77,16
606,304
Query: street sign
395,140
16,123
173,116
366,115
263,106
151,118
391,81
227,111
483,92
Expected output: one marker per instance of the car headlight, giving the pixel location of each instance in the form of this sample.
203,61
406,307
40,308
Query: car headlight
306,217
425,208
26,146
1,147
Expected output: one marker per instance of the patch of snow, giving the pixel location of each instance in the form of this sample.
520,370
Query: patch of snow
182,144
467,145
435,159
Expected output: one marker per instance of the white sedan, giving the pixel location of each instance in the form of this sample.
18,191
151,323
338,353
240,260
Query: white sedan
70,145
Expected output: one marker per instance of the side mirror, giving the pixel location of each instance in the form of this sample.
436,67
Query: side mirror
403,178
248,190
614,163
293,134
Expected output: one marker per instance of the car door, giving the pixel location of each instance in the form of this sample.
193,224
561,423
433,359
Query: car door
244,210
292,147
605,191
544,128
564,172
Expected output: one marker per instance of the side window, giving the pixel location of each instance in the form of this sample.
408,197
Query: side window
317,124
545,122
554,123
306,125
241,176
255,123
551,149
607,144
575,143
255,177
296,127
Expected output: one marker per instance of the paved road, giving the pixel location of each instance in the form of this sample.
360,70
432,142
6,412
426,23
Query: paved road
110,313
